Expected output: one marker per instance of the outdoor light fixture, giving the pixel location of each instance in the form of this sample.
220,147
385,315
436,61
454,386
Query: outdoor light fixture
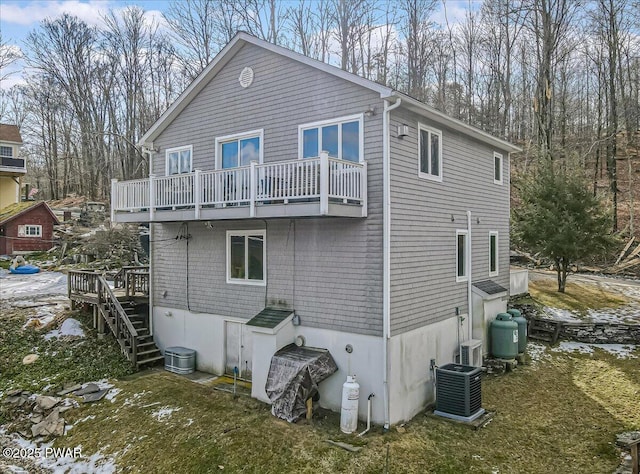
403,130
371,111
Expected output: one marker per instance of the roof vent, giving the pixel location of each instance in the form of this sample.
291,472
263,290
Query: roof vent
246,77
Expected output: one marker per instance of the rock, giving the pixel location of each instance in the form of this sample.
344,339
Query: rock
90,388
69,389
30,359
401,429
35,419
94,397
46,403
52,425
14,393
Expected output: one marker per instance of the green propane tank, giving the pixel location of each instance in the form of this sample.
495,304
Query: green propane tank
504,337
522,329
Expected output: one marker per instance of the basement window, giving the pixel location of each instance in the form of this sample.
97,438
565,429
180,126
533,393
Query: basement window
246,257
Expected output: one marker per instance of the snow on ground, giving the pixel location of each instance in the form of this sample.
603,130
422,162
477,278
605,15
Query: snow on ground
621,351
164,412
537,351
70,327
26,287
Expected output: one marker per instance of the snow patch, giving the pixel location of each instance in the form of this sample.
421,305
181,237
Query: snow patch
621,351
164,412
70,327
537,352
111,396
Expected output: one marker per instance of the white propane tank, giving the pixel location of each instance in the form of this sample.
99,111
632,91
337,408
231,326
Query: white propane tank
350,398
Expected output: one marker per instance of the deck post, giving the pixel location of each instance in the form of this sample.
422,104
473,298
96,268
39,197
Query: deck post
252,189
324,183
99,310
152,198
363,188
114,199
196,193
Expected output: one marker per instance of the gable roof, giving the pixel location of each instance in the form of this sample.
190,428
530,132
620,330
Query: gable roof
10,133
387,93
18,209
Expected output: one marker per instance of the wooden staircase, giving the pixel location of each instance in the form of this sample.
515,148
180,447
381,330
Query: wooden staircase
126,316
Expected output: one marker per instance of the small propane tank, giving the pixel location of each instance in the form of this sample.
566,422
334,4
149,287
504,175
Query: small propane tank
350,398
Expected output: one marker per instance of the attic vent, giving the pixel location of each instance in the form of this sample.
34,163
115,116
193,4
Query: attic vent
246,77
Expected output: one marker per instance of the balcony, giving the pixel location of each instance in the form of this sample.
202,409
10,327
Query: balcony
10,166
320,186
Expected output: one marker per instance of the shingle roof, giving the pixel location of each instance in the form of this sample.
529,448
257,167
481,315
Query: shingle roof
490,287
10,133
269,318
14,210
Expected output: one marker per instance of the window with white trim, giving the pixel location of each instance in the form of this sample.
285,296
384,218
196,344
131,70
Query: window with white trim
429,153
246,257
179,160
493,254
497,168
29,231
234,151
461,255
6,151
341,138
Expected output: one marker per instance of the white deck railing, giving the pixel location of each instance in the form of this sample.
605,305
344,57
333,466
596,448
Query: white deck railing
323,179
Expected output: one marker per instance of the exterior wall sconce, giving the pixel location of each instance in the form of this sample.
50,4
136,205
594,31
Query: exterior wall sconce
371,111
403,130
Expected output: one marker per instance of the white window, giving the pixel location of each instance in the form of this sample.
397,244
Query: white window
341,138
246,257
461,255
493,254
179,160
497,168
429,153
6,151
233,151
29,231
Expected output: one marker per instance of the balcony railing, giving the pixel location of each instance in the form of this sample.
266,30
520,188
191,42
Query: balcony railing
322,180
10,163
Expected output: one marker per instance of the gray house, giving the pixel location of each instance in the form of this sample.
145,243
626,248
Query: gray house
290,198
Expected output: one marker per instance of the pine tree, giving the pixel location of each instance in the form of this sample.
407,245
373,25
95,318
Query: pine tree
560,218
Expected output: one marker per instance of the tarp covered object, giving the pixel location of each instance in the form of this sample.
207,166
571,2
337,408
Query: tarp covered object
294,376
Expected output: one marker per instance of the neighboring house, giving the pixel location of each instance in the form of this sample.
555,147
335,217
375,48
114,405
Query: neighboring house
12,168
368,250
26,227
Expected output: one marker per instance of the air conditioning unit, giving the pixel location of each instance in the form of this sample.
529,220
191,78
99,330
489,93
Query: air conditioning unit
471,352
459,392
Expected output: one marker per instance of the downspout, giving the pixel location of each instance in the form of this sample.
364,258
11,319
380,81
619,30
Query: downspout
150,153
469,270
386,254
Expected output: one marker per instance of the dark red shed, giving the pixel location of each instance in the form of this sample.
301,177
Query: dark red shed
26,227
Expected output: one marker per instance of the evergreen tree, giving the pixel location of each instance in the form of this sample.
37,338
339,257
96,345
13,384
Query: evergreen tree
560,218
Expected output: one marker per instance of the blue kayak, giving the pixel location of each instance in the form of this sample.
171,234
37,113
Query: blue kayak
24,269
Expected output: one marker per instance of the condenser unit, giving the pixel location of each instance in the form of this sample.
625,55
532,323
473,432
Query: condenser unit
459,392
471,352
179,360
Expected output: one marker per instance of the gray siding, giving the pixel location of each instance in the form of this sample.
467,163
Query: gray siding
423,237
328,270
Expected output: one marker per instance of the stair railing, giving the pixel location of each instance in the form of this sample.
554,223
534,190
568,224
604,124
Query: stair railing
112,312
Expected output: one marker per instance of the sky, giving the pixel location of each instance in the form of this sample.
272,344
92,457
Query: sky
19,17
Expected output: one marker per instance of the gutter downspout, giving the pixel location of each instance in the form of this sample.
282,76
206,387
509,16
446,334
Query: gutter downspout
469,270
386,254
150,152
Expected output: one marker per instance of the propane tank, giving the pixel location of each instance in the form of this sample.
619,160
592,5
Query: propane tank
350,398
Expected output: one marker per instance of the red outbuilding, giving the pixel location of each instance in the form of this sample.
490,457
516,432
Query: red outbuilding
26,227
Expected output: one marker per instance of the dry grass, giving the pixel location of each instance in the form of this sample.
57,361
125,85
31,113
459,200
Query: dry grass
578,296
560,416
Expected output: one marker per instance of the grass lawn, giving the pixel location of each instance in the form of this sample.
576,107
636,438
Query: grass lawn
560,414
578,296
